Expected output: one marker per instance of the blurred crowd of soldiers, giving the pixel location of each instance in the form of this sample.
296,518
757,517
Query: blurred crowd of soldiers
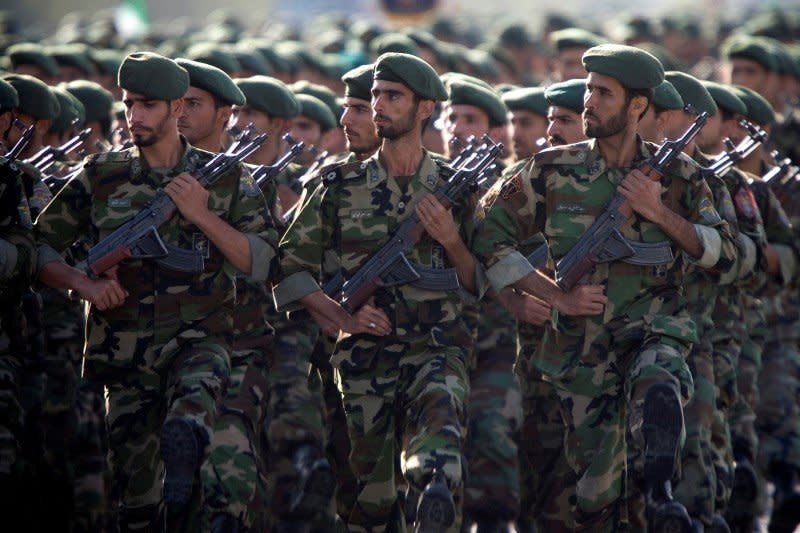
660,393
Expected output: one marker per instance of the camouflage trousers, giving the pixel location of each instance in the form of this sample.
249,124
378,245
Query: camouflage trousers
186,385
742,415
230,473
726,360
494,415
404,404
778,412
697,488
11,414
601,405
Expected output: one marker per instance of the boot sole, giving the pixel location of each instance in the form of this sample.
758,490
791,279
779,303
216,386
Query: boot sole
662,426
435,513
179,451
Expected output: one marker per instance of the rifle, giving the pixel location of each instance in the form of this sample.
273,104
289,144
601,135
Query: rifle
48,155
27,134
780,171
466,150
138,238
266,173
603,242
735,153
389,266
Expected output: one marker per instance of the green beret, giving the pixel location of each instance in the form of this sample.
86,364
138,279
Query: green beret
107,61
455,77
567,94
252,61
466,93
215,55
393,42
666,96
35,97
503,88
32,54
692,92
321,92
575,38
515,36
315,109
782,57
725,97
153,75
95,99
668,60
632,67
412,72
358,82
264,47
269,95
758,109
8,96
70,109
211,79
527,99
753,48
68,55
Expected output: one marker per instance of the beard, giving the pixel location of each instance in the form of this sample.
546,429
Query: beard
144,137
555,140
614,125
398,128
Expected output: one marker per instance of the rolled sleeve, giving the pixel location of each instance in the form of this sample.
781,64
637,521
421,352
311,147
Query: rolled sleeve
261,255
712,246
46,254
294,287
508,270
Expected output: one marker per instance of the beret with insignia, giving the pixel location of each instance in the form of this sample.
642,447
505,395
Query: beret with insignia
315,109
97,102
358,82
632,67
213,80
758,109
527,99
567,94
70,109
463,92
412,72
35,97
153,76
8,96
725,97
692,92
269,95
666,96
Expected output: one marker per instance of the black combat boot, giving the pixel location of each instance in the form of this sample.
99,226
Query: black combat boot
741,509
785,500
315,481
180,451
436,510
662,426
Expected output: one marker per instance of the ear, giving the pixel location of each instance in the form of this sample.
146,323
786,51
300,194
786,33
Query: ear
498,133
176,107
43,126
224,114
638,104
426,108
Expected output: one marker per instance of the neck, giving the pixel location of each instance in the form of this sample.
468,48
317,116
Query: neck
166,153
619,150
752,163
363,156
210,143
266,155
402,156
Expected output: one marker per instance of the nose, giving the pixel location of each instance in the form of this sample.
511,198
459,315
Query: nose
345,118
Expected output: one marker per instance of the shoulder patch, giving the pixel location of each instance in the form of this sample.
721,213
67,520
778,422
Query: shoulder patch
511,187
707,212
345,171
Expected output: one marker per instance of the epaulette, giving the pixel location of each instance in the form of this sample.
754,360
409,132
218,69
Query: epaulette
570,154
328,165
121,156
345,171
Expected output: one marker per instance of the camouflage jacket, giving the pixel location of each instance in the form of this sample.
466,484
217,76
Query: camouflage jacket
164,308
348,217
560,193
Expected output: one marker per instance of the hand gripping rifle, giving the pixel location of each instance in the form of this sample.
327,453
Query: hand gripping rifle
603,242
389,266
138,238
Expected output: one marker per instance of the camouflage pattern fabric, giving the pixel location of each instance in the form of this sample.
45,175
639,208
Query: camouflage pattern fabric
602,366
404,394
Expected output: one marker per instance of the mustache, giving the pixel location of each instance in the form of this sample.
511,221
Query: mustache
589,114
379,116
555,140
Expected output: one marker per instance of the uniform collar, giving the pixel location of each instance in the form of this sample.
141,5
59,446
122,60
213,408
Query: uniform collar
427,174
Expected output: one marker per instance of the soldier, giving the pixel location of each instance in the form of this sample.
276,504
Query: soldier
570,44
403,381
359,130
527,109
164,362
98,103
38,107
565,106
616,359
31,59
311,126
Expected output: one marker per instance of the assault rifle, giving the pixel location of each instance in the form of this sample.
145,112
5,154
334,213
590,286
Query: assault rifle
603,242
266,173
735,153
466,150
389,266
27,134
781,171
48,155
138,238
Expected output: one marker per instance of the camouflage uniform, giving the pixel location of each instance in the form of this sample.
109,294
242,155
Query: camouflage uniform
403,394
166,356
602,366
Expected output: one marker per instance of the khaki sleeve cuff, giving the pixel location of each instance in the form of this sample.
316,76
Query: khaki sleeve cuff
787,262
509,270
261,255
712,246
46,254
481,286
8,258
294,287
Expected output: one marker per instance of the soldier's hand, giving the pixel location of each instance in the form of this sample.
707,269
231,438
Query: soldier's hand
582,300
329,327
437,220
369,319
189,196
643,194
104,293
524,307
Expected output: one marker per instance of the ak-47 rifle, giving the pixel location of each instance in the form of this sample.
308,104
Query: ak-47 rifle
781,170
266,173
466,150
48,155
735,153
389,266
138,238
27,134
603,242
